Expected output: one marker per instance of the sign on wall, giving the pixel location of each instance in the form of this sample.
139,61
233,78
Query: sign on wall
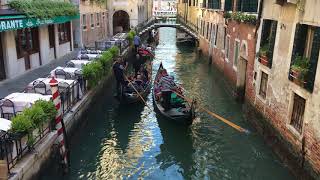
13,24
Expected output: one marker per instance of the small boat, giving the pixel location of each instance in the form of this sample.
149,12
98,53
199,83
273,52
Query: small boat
183,113
129,93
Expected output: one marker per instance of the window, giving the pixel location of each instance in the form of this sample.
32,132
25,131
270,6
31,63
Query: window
98,19
92,20
207,36
297,112
214,4
227,47
228,5
307,44
210,33
268,37
263,85
247,5
51,35
27,41
216,34
84,21
236,53
224,39
64,32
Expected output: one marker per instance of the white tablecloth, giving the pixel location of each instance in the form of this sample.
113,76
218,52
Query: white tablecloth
66,69
5,124
22,101
91,56
80,63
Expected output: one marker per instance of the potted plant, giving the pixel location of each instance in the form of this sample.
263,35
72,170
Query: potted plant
49,110
263,55
299,70
21,125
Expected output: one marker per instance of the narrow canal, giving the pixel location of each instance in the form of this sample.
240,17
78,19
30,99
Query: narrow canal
131,142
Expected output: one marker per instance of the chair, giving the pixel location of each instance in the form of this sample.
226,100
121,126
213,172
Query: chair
84,57
40,87
7,109
64,90
71,64
61,74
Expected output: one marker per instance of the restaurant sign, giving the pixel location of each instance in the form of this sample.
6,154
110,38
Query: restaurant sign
13,24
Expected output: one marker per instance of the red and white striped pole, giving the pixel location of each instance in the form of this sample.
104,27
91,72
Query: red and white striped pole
59,122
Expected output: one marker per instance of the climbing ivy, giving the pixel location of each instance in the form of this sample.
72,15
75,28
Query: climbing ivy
44,9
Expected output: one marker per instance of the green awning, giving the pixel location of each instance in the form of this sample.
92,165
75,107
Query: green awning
8,23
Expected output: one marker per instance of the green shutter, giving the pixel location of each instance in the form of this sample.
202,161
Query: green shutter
272,40
313,59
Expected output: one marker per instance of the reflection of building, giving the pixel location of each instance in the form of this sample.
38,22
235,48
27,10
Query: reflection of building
93,23
127,14
27,43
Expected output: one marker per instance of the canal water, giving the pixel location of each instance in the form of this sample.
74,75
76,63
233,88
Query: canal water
132,142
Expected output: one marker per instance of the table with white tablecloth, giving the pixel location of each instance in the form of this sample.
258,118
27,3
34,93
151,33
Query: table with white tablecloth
22,101
91,56
69,70
80,63
5,124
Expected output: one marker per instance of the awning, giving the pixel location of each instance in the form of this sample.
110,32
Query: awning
14,22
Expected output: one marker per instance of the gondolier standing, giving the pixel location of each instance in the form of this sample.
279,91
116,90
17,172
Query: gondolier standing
136,42
167,86
118,70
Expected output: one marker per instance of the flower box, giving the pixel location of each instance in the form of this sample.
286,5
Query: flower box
296,78
264,60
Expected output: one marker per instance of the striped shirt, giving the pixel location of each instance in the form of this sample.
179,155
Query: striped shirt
167,83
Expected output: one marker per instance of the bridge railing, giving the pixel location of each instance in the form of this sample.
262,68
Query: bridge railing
140,27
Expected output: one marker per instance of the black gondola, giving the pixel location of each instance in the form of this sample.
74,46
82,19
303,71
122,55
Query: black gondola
185,113
129,94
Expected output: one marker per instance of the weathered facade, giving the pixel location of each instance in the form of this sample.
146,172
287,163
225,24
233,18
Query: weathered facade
27,43
260,57
93,24
127,14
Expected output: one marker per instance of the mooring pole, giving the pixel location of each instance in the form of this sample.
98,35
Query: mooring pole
62,136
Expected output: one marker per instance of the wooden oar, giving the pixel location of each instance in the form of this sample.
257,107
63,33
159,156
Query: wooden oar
137,91
216,116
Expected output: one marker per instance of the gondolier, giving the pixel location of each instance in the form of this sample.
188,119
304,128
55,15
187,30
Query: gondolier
167,85
118,70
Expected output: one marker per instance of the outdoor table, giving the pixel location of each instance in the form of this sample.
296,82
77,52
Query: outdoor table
22,101
69,70
74,87
5,124
80,63
91,56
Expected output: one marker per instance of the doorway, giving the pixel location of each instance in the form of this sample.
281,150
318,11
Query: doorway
2,68
241,79
121,22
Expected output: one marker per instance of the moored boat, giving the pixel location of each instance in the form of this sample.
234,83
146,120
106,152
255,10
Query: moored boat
181,112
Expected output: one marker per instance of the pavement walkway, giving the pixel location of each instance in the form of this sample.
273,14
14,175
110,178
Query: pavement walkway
20,82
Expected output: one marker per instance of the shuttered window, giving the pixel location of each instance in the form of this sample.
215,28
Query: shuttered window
307,44
228,5
236,53
247,5
298,112
268,37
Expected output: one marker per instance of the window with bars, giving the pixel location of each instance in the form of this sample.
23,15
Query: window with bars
263,85
298,112
247,5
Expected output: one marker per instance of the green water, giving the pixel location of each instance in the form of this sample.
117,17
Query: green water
132,142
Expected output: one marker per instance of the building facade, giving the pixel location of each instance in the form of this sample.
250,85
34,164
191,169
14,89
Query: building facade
27,43
269,52
93,24
127,14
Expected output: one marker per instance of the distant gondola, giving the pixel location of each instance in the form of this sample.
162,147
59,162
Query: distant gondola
185,113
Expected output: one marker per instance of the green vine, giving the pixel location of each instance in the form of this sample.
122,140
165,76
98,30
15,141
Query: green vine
44,9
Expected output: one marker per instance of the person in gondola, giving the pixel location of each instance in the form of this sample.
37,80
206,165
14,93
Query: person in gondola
136,42
167,85
118,70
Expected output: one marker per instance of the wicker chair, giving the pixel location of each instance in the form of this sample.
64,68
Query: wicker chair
40,87
71,64
64,90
